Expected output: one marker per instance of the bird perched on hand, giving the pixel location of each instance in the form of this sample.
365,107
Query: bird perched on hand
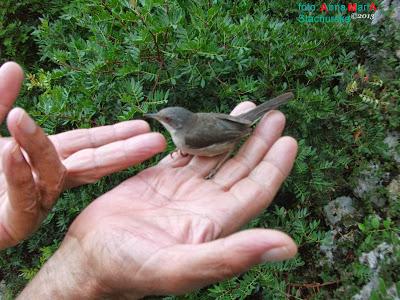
211,134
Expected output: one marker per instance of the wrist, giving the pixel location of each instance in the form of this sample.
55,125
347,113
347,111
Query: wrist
66,275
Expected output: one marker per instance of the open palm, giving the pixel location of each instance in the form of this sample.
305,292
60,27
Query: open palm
35,168
167,230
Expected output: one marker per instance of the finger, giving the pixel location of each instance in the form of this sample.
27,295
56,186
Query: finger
242,108
3,142
89,165
255,192
11,77
251,153
70,142
21,212
43,157
203,165
215,261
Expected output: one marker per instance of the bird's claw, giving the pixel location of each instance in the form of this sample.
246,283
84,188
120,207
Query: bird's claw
211,174
172,153
219,165
180,153
183,154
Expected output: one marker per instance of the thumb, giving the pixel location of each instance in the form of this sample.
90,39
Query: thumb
11,77
188,267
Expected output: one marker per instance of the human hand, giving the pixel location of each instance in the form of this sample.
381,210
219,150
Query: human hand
35,169
167,230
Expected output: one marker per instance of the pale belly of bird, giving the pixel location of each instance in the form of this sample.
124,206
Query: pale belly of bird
211,150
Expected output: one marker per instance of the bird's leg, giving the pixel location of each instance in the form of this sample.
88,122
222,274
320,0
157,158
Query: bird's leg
183,154
180,153
219,165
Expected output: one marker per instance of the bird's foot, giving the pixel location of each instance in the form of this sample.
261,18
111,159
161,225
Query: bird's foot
178,151
183,154
211,174
172,153
219,165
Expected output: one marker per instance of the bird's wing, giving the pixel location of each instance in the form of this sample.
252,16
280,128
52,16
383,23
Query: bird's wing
234,119
254,114
215,129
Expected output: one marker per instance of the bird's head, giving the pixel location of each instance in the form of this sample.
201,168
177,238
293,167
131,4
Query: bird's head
172,118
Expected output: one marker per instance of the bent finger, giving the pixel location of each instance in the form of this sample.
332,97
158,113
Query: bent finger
22,210
48,169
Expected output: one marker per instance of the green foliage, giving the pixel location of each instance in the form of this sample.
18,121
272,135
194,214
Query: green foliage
100,62
17,21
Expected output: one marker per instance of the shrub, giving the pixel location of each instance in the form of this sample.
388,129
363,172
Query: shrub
17,21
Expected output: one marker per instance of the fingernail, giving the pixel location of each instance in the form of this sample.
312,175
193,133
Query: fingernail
16,153
27,125
276,254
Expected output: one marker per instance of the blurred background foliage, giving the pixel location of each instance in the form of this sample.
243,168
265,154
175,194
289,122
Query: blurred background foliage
96,62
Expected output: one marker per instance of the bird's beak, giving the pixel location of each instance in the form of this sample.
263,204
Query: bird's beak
151,116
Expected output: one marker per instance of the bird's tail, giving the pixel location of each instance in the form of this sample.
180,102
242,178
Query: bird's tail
257,112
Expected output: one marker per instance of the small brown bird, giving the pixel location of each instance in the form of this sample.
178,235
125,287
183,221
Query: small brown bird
211,134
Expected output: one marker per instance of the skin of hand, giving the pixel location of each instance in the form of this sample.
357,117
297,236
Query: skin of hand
167,230
35,169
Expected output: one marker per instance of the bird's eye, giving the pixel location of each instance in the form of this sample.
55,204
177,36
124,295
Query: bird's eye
167,119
